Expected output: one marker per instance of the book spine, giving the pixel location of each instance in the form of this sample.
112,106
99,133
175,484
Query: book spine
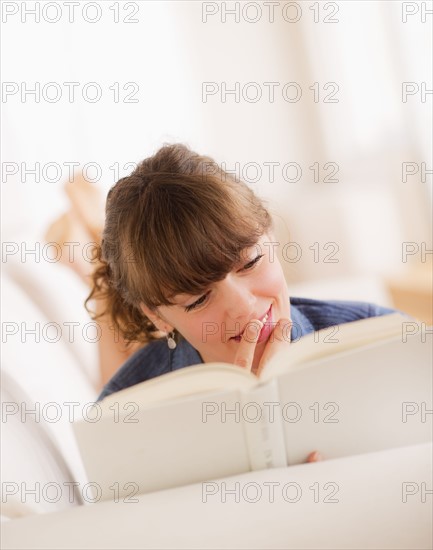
263,427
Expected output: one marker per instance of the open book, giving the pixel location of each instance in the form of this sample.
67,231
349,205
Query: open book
354,388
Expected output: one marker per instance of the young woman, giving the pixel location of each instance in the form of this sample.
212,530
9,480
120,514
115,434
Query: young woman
187,269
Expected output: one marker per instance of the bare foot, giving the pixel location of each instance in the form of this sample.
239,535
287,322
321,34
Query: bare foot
76,243
88,204
79,229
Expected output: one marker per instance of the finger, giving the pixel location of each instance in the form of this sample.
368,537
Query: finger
315,456
279,338
245,354
282,330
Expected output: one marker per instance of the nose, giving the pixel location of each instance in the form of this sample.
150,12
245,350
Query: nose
238,298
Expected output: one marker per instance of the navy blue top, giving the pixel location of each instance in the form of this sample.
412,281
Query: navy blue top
307,316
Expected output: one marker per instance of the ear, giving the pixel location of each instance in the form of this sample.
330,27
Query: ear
160,323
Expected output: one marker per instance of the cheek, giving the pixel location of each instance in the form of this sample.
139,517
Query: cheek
206,330
200,329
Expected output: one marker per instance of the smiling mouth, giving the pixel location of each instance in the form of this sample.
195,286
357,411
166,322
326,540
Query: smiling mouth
263,319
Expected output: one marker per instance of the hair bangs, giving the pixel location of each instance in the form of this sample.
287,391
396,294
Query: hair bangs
195,235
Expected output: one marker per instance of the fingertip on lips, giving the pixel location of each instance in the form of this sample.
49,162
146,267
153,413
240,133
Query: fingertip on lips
255,325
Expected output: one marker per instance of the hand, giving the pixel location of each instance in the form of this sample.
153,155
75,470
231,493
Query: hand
245,354
315,456
278,341
280,337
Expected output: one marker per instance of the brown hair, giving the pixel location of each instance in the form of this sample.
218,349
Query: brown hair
177,224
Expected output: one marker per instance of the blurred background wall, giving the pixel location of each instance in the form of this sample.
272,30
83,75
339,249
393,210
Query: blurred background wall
324,108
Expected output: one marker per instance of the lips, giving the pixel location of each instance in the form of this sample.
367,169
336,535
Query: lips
264,319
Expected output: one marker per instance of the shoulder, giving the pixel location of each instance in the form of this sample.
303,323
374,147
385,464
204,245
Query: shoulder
314,315
154,359
150,361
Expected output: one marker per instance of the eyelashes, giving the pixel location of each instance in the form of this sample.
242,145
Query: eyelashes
251,264
199,302
203,298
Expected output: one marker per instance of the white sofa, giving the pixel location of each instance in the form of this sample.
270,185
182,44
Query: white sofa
42,371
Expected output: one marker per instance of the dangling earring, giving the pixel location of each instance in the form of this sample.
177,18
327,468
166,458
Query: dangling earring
171,342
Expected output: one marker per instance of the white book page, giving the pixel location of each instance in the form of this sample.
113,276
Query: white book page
168,445
193,380
351,403
336,339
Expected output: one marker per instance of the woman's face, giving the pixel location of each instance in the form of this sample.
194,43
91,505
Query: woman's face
213,321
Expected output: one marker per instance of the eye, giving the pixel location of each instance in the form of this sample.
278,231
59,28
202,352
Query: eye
251,264
197,303
204,298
